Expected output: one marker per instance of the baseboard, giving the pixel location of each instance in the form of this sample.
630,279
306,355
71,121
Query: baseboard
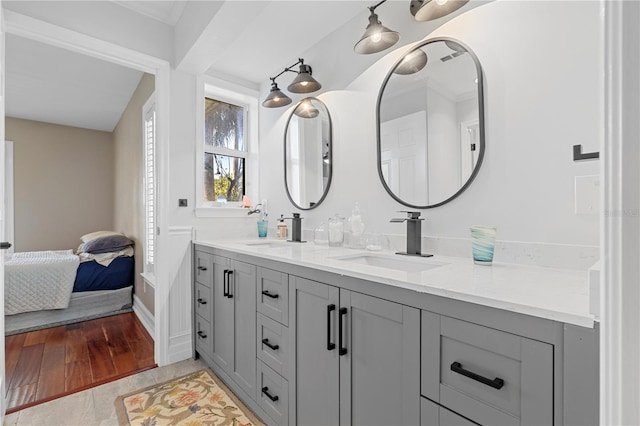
180,347
145,317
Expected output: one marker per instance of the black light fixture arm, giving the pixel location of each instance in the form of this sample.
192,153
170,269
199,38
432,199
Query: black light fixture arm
289,68
372,8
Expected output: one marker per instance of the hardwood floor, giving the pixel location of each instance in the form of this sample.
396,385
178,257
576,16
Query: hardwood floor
46,364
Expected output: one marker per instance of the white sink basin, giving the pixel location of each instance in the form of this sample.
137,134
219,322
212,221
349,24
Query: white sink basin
398,263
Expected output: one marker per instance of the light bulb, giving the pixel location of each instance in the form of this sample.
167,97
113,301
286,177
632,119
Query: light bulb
376,37
304,83
441,2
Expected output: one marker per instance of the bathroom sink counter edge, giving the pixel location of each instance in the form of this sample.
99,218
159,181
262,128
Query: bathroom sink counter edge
550,293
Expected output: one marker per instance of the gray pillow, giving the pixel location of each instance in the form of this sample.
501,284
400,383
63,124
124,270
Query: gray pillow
107,244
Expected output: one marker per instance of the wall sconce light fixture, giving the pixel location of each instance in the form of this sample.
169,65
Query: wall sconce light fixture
377,37
306,110
303,83
428,10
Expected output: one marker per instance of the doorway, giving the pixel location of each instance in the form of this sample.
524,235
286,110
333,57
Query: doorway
122,56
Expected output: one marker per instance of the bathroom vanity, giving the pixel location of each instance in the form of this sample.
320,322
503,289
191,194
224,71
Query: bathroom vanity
308,334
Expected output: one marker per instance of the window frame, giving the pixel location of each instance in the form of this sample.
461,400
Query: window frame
149,107
214,88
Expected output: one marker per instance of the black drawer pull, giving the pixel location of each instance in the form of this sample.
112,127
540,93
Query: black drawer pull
229,273
202,301
342,350
201,268
202,334
265,390
273,347
273,296
330,345
225,283
496,383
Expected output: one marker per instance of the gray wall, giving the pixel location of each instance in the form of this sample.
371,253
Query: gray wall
129,180
63,183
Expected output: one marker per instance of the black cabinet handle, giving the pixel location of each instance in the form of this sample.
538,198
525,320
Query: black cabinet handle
496,383
201,334
225,283
342,350
273,347
201,268
330,346
229,273
265,390
5,245
273,296
202,301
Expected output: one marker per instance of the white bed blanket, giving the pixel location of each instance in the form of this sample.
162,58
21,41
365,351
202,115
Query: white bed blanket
39,280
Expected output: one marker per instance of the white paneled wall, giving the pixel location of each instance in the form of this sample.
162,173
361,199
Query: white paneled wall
180,293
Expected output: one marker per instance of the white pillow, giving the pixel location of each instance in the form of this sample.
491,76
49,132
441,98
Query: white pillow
98,234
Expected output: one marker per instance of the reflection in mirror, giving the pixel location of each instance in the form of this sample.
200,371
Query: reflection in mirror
430,124
307,154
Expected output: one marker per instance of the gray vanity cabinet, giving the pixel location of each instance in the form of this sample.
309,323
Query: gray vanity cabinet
485,375
357,357
203,265
234,320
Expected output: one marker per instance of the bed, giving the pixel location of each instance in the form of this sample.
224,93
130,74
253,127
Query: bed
49,288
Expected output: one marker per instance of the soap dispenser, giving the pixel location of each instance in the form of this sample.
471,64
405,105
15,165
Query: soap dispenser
282,228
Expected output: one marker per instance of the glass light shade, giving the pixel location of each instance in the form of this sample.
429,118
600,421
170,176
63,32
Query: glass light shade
428,10
306,110
376,37
304,82
411,63
276,98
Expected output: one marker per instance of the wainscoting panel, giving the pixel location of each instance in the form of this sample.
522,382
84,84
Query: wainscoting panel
180,293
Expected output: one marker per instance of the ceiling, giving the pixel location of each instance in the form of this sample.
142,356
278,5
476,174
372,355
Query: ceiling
50,84
54,85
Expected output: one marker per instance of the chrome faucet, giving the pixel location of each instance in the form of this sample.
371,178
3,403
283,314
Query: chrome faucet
414,234
296,228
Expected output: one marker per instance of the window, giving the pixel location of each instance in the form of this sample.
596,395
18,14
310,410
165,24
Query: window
227,160
224,151
149,129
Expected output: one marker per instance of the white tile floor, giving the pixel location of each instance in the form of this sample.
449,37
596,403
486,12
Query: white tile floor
96,406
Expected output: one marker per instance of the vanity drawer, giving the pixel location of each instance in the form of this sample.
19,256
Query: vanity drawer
273,345
273,394
486,375
273,295
203,268
431,414
203,301
203,336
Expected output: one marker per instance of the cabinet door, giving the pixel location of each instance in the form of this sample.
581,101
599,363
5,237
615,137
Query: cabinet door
314,326
380,371
222,319
241,289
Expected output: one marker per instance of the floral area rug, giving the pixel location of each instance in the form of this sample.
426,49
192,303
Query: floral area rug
196,399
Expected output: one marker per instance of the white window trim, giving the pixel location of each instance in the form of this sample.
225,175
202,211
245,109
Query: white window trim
149,270
215,88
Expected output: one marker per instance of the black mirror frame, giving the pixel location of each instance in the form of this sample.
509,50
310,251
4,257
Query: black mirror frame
286,128
480,123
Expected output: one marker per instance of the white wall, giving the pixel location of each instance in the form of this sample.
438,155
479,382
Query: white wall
103,20
543,93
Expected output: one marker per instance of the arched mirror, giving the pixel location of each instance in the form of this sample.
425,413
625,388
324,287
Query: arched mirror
431,124
307,154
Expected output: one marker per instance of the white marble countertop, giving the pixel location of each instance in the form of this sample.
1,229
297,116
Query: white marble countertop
551,293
